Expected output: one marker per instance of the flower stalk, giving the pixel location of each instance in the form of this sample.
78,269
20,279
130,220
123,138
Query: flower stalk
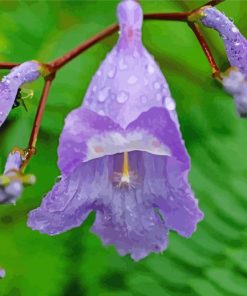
31,150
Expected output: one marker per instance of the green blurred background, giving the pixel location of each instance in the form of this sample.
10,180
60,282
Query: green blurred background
214,261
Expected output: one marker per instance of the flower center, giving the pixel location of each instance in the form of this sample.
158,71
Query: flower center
126,179
125,176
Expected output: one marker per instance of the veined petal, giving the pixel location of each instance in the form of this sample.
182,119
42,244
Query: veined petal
135,218
10,84
70,201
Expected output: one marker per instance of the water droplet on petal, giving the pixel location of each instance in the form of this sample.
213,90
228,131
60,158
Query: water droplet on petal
170,104
122,97
150,69
103,94
99,73
111,73
101,112
122,65
132,80
144,99
159,97
235,30
157,85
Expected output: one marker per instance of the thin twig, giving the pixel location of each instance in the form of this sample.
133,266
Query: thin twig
6,65
195,28
31,150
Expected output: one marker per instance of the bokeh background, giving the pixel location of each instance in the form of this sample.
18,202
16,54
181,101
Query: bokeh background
214,260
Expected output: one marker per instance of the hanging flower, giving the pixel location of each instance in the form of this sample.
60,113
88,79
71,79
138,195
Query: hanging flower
12,181
10,85
122,156
234,80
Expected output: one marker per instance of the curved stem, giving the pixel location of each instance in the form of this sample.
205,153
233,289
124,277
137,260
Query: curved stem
195,28
31,150
63,60
60,62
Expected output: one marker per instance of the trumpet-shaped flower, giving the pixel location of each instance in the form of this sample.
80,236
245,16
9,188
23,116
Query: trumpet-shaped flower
234,80
11,83
121,155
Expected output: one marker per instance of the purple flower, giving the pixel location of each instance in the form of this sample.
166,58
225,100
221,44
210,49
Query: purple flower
235,81
122,156
11,83
12,181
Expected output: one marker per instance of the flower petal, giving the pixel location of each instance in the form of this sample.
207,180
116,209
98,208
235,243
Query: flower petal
129,81
158,123
80,125
235,42
11,192
235,84
176,202
9,85
70,201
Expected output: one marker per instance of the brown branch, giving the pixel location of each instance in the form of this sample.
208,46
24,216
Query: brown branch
60,62
176,16
31,150
6,65
206,49
214,2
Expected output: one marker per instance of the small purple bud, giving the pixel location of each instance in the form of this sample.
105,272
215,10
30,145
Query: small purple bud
235,42
235,84
13,181
26,72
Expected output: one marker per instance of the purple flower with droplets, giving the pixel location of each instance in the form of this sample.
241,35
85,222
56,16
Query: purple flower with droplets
121,155
12,181
10,84
235,80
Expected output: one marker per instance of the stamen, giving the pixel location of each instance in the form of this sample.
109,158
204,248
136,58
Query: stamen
125,176
126,179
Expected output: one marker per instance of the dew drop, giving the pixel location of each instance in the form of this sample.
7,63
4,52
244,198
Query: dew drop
132,80
103,94
170,104
122,97
101,112
111,73
135,54
122,65
157,85
235,30
99,73
159,97
144,99
150,69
